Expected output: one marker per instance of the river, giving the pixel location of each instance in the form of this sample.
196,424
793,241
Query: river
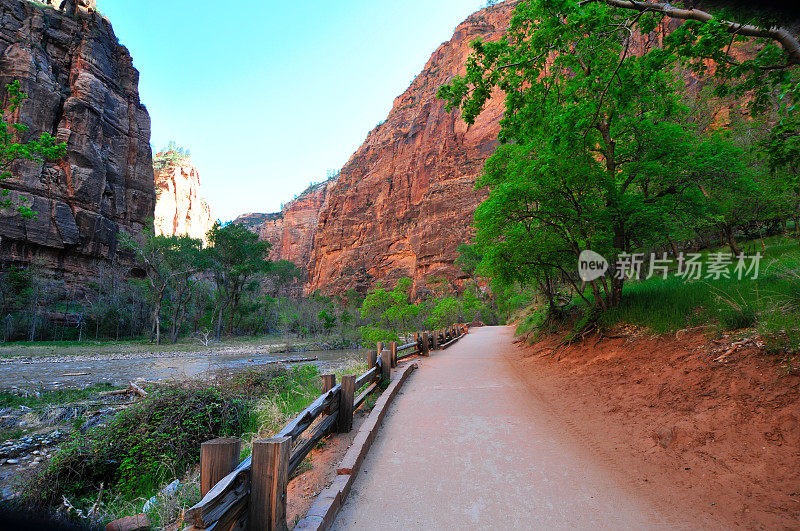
65,373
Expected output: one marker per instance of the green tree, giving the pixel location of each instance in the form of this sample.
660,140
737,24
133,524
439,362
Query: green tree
783,150
282,274
755,59
445,312
388,312
328,320
12,149
598,152
236,260
170,263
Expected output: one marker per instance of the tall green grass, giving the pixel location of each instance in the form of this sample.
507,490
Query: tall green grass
770,303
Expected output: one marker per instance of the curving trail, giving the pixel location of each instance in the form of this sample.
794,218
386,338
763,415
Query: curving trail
466,445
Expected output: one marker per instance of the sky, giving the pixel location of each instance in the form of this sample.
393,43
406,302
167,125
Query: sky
271,96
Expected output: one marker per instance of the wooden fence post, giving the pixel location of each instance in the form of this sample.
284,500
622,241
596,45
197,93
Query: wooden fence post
393,348
372,359
328,383
435,340
218,458
345,420
425,346
268,479
386,365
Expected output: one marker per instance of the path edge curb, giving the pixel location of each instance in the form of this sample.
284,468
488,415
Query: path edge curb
325,508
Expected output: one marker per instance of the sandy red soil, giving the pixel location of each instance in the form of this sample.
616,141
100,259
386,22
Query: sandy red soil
718,437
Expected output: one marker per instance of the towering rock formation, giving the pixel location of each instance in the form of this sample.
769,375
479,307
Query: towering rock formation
82,88
180,211
405,200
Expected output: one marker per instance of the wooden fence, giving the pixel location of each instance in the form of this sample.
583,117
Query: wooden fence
252,494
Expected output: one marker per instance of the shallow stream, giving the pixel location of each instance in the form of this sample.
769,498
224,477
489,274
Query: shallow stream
66,373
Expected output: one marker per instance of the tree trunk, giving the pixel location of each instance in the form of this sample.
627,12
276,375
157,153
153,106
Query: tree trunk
797,228
674,247
617,281
219,323
599,302
157,322
33,326
727,231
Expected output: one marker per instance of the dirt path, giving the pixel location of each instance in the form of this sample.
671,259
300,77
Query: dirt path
466,445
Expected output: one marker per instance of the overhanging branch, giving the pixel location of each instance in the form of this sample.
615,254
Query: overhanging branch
788,42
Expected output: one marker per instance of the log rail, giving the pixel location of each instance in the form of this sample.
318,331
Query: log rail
236,497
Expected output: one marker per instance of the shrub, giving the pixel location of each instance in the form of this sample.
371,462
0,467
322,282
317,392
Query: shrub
151,442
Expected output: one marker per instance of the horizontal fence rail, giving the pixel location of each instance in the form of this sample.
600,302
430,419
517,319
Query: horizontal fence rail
253,494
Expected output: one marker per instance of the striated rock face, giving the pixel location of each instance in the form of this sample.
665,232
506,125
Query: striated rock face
180,211
405,200
292,231
252,221
82,88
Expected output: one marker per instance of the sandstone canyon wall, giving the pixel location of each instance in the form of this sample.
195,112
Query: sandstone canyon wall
292,232
180,210
82,88
405,199
252,221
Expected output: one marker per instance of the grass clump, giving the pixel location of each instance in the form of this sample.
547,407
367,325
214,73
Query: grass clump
169,507
290,393
533,323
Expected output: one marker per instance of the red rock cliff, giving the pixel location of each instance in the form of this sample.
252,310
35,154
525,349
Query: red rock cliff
405,200
180,210
292,232
82,88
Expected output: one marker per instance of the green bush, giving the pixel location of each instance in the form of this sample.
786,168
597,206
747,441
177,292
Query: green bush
149,443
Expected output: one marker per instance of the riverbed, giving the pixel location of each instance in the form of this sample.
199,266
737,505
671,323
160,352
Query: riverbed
82,372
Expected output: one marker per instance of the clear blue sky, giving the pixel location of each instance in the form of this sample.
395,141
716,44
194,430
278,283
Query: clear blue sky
267,95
